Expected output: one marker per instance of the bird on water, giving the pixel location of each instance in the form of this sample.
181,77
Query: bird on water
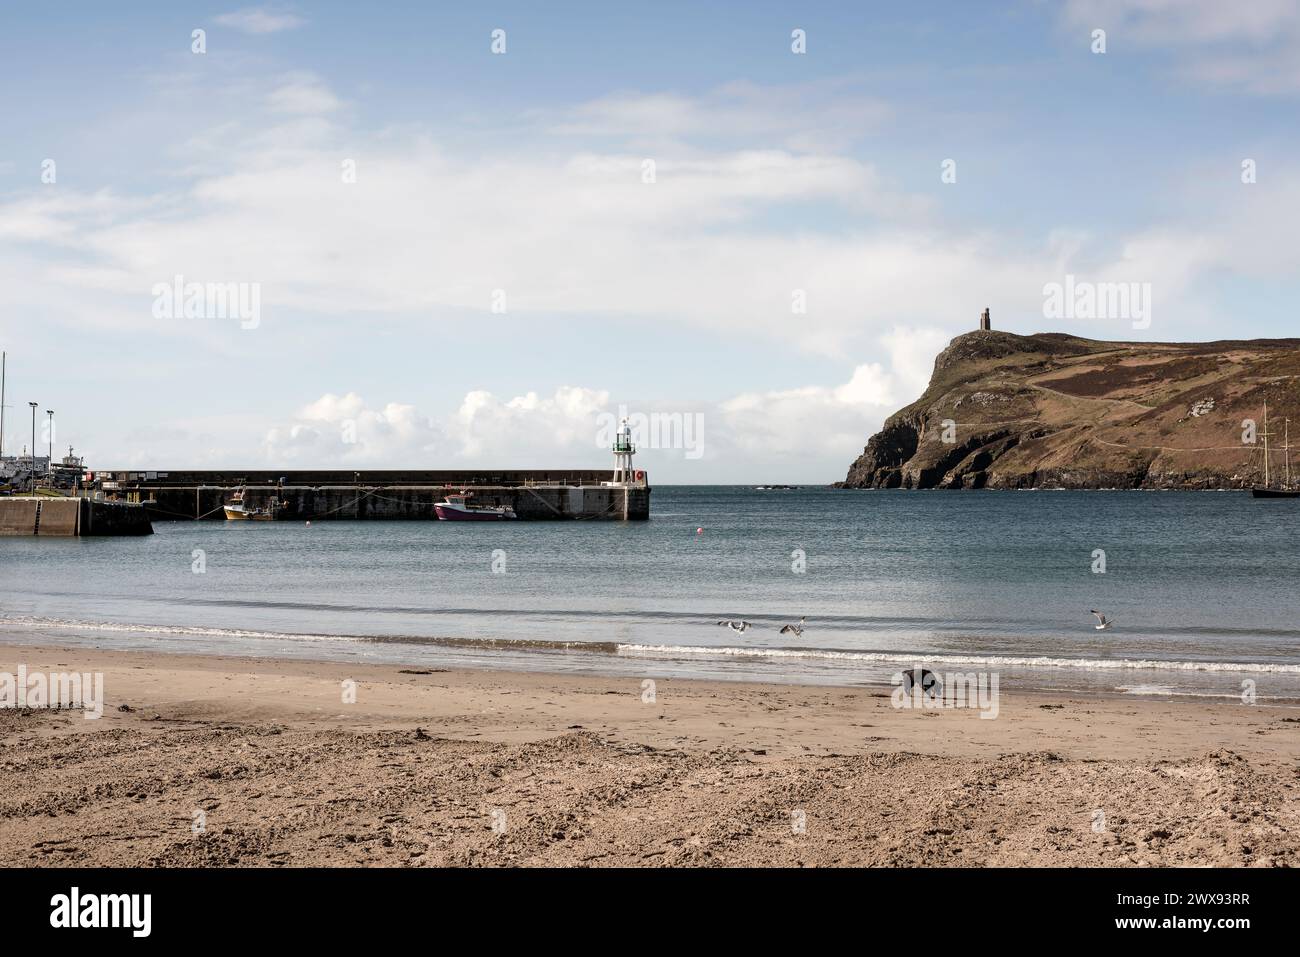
1102,621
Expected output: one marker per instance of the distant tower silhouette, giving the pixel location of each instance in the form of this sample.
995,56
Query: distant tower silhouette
986,324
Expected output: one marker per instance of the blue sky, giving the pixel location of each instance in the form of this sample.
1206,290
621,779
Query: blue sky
522,174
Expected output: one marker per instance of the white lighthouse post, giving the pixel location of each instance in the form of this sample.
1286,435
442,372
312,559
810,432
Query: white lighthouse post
624,472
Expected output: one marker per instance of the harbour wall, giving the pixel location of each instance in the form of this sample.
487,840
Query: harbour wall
233,478
54,517
378,495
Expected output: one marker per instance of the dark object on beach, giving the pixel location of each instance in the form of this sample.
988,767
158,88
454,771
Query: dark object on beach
930,684
421,736
125,707
413,671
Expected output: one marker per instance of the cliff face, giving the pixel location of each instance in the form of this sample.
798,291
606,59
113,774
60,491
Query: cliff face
1057,411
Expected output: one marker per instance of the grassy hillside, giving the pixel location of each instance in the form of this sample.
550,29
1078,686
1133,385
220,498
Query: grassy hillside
1053,410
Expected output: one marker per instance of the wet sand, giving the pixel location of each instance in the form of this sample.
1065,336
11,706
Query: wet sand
231,761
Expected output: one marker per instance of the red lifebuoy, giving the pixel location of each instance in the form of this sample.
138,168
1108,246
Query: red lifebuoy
640,476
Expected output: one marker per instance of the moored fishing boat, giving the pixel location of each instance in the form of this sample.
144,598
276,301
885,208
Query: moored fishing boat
237,510
455,508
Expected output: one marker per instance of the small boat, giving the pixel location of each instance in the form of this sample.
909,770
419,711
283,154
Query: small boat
454,508
237,511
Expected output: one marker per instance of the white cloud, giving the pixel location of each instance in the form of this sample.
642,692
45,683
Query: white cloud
529,427
825,424
1189,21
809,433
1253,47
56,215
808,117
343,430
720,242
812,423
422,230
303,93
259,20
912,352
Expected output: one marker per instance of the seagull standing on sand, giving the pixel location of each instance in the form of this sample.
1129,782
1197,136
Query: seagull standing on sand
922,678
796,630
736,626
1102,621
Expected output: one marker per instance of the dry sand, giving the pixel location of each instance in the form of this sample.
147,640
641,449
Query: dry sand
580,771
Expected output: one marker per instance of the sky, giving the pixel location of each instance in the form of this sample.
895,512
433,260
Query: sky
473,235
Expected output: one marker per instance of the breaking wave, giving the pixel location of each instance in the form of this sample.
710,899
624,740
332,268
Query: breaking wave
1004,661
682,652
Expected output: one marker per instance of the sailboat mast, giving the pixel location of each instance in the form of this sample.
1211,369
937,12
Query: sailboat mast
3,358
1286,449
1266,485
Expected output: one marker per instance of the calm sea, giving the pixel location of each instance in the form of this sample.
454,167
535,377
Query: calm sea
1202,587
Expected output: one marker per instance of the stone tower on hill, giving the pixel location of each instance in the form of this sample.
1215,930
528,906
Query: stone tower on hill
986,323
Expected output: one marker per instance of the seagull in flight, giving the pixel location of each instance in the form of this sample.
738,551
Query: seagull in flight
796,630
737,626
1102,621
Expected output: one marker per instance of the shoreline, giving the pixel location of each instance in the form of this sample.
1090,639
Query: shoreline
577,769
1023,673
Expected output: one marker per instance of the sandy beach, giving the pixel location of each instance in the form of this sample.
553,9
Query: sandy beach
252,762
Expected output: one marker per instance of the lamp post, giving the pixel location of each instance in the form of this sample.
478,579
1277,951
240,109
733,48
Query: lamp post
49,463
4,356
33,445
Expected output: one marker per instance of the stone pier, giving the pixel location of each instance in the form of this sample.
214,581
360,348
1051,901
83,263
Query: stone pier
55,517
536,495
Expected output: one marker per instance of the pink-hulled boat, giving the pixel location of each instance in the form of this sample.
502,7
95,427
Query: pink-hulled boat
454,508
